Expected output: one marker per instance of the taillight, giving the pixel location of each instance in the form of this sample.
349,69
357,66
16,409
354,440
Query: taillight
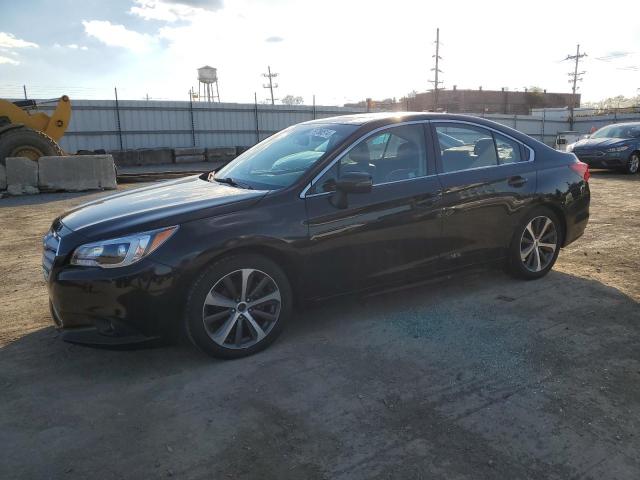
581,169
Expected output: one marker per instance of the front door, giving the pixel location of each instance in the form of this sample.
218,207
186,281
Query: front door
387,235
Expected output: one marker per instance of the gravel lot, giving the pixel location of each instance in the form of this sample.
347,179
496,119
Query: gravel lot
476,376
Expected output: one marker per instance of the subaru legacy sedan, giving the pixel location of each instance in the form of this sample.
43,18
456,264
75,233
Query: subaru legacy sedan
320,209
614,147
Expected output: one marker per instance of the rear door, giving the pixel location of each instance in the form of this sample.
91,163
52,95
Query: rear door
389,234
486,177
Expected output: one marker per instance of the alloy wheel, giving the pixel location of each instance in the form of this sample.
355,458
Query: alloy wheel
538,244
241,308
634,163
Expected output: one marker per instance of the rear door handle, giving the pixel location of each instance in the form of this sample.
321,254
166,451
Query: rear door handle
517,181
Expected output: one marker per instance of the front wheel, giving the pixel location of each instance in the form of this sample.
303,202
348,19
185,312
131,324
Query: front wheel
535,245
633,164
238,306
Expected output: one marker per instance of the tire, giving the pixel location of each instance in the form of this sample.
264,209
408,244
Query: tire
25,142
226,327
633,164
528,260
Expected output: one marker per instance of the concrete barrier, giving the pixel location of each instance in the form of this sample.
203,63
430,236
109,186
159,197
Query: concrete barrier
22,176
126,158
77,173
190,159
3,177
188,151
222,154
156,156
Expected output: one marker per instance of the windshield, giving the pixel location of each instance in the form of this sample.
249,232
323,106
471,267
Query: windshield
281,159
618,131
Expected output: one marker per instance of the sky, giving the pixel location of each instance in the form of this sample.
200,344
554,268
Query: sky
340,50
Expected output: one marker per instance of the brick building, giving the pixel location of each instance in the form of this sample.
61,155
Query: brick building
478,101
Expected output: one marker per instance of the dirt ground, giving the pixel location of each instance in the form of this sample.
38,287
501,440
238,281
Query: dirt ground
476,376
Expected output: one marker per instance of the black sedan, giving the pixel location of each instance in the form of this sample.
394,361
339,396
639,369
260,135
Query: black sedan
614,146
320,209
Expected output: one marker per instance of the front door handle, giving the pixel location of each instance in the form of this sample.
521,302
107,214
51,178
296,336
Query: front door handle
517,181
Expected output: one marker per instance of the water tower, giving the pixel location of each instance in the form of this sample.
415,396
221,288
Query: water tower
207,77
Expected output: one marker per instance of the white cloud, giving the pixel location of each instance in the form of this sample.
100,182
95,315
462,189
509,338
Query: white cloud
8,61
118,36
164,11
75,46
8,40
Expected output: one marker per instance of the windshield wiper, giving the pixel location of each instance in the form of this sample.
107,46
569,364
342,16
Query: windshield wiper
232,182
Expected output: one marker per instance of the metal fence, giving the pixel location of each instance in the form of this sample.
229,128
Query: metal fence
132,124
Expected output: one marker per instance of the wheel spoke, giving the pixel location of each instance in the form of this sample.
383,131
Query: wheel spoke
538,266
245,282
550,246
259,287
228,283
259,332
530,230
238,338
264,315
214,298
223,332
547,222
267,298
526,252
217,316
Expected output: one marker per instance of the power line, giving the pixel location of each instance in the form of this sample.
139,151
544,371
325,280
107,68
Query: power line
575,78
435,81
270,85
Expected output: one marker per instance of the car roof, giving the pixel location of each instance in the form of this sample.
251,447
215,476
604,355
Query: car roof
380,117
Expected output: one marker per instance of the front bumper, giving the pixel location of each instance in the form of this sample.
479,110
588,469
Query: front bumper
603,159
107,307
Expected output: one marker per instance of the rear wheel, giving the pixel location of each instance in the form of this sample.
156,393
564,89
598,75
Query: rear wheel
633,164
25,142
238,306
535,245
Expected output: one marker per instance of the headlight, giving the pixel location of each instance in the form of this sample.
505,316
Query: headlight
120,252
570,147
618,149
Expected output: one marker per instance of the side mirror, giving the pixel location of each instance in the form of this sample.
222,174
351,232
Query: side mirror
352,182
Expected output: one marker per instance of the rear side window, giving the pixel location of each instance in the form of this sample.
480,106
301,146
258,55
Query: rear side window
465,147
508,150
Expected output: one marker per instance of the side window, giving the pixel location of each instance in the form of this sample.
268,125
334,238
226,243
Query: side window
463,147
508,150
391,155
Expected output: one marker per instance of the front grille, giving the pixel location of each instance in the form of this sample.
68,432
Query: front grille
50,245
589,153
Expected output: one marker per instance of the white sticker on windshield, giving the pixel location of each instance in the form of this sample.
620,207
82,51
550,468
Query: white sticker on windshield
322,132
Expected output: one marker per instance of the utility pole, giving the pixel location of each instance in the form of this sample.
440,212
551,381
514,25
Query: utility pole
270,85
575,78
436,82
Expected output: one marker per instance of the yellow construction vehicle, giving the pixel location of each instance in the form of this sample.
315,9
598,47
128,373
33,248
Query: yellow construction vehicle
32,135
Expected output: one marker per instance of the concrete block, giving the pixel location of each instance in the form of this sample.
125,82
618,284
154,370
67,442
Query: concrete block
221,154
241,150
188,151
3,177
22,175
126,158
190,159
156,156
75,173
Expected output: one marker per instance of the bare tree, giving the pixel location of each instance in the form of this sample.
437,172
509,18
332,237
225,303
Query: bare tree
292,100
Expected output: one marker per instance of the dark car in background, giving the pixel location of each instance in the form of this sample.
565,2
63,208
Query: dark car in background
614,147
318,210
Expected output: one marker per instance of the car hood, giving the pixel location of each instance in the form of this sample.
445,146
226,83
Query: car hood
167,203
599,142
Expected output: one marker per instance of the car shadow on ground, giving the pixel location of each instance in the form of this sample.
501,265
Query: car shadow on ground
614,174
476,374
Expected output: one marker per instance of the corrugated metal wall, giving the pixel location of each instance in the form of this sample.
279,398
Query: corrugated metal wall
148,124
97,124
